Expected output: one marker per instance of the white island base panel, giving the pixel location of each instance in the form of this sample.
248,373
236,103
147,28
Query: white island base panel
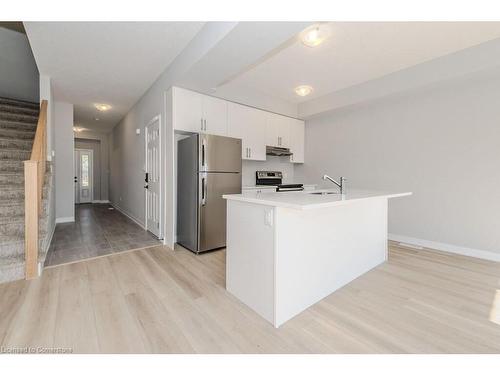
280,261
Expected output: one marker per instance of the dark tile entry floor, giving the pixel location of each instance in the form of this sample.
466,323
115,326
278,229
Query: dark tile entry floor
97,231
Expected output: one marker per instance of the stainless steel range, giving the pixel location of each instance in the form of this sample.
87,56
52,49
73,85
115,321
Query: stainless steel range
275,178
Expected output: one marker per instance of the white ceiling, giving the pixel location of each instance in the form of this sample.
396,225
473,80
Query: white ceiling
105,62
357,52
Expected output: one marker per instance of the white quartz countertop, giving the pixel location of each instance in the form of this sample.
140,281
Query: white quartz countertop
303,200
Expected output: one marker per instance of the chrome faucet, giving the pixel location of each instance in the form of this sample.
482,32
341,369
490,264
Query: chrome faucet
341,185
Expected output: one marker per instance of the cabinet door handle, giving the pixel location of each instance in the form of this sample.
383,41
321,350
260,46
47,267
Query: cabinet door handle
201,121
249,152
205,122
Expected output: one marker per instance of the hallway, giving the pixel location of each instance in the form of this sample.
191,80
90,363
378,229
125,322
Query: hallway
98,230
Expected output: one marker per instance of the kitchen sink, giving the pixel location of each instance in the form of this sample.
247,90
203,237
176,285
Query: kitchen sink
323,192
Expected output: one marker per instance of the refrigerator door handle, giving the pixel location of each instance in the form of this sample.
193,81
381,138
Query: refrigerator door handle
203,146
203,192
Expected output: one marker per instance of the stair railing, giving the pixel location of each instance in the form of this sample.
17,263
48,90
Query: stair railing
34,175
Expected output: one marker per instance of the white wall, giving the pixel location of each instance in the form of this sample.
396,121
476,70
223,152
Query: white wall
64,165
442,143
18,71
101,192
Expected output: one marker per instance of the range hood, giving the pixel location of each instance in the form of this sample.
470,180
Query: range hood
278,151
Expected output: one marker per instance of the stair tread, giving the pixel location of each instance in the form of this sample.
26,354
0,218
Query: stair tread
23,103
20,117
10,149
9,107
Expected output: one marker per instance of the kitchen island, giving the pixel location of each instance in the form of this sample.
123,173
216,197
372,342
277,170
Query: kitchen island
287,251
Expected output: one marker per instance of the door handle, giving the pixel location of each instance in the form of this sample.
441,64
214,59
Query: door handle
201,123
249,152
147,177
203,153
205,124
203,192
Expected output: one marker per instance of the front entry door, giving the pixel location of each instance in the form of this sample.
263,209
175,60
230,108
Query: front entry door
152,178
83,176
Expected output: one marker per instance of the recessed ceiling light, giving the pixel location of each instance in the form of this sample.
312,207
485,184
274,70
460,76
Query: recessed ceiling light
303,90
315,35
102,107
97,119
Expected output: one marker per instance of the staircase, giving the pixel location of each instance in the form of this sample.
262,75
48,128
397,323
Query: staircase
18,121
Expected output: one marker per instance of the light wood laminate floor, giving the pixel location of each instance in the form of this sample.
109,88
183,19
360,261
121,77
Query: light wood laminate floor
160,301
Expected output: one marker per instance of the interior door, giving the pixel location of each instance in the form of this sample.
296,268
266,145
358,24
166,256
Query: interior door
83,176
152,178
212,217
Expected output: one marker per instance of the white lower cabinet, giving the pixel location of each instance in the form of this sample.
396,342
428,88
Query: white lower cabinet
249,124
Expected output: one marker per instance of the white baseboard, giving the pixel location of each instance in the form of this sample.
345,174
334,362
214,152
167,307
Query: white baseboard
68,219
476,253
115,206
100,201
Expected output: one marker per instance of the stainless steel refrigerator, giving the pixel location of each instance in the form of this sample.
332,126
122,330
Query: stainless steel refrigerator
208,166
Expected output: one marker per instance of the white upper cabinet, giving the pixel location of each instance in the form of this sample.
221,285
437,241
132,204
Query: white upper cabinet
278,130
249,124
214,116
197,113
187,110
297,130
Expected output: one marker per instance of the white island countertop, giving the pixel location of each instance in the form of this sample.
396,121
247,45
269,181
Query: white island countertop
304,200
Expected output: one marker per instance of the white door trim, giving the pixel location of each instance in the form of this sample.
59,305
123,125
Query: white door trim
153,120
91,174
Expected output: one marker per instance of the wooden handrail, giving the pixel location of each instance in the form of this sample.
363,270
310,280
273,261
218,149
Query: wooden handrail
34,175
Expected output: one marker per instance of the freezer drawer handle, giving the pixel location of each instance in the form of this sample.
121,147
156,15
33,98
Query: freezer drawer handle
203,192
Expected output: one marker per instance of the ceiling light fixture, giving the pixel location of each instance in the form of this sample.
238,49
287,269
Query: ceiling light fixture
303,90
77,129
102,107
315,35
